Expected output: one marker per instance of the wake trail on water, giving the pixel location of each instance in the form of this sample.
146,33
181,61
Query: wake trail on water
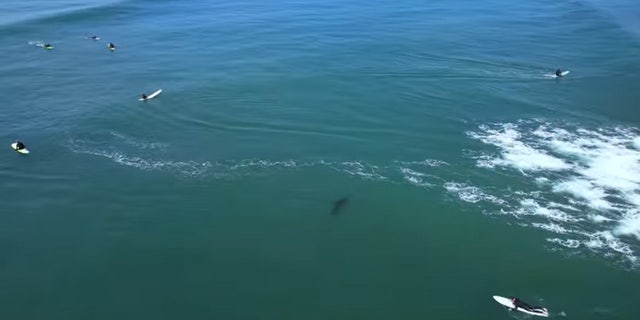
580,186
152,156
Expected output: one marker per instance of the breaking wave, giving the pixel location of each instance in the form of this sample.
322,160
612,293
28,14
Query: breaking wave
583,185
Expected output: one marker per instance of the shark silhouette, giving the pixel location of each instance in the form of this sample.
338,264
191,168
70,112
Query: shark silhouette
339,204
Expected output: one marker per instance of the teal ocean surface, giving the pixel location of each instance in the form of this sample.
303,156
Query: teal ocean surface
467,169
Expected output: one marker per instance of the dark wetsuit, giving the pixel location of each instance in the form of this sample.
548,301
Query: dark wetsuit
522,305
144,96
559,73
19,145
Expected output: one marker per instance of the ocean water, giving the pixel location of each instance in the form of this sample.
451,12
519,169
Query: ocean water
470,171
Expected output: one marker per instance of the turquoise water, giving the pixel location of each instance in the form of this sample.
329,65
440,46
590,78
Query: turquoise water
470,170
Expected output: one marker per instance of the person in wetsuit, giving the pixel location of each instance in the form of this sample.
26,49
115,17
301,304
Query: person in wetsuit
525,306
19,145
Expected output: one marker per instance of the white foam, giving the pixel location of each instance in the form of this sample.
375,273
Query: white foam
568,243
594,196
426,162
415,177
543,131
532,207
137,143
471,194
188,168
596,171
608,159
485,162
555,228
515,153
542,180
598,218
629,225
261,163
606,238
636,143
562,206
359,169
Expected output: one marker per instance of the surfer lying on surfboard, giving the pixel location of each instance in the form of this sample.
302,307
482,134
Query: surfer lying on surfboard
47,46
146,97
19,145
522,305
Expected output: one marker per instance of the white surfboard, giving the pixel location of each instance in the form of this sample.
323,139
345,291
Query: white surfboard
554,75
151,96
507,303
14,146
43,46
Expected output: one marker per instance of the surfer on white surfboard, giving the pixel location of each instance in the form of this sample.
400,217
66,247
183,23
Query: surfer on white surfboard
19,145
558,73
146,97
525,306
516,304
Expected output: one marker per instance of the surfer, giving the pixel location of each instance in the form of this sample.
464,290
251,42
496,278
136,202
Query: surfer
95,38
144,96
558,73
47,46
522,305
111,46
19,145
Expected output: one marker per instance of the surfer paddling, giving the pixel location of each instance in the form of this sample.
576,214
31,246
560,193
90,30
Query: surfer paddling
145,97
19,145
514,303
517,303
558,73
111,46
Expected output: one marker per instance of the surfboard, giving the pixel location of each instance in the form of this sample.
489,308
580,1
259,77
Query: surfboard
44,47
507,303
14,146
151,96
562,74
